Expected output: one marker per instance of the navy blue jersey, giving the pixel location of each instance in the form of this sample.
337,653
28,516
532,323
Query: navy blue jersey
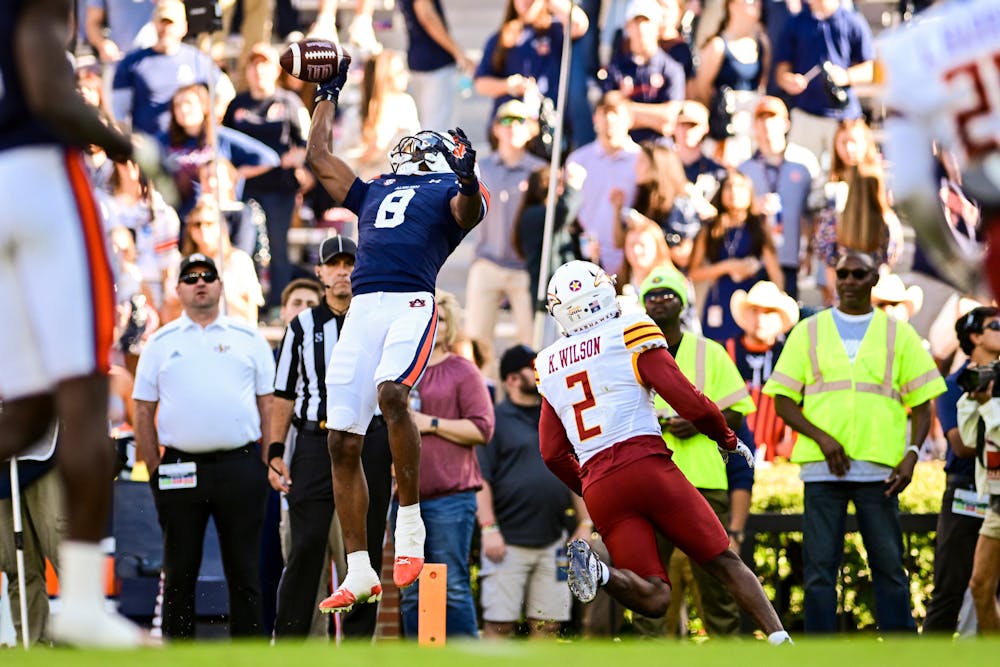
423,53
405,231
18,127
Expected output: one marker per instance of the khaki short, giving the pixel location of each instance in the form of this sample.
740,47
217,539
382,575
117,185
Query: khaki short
991,525
525,582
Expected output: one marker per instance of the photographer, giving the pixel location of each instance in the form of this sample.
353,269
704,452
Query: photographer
961,514
979,419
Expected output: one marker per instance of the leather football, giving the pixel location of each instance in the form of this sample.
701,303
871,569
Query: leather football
312,60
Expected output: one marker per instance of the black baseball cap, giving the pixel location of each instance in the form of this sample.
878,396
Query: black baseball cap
516,358
972,323
196,259
336,245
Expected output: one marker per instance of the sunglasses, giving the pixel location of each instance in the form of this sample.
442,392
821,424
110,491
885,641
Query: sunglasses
661,295
857,274
992,326
511,120
203,223
192,278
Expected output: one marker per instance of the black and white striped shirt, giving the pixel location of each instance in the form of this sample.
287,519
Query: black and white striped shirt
301,368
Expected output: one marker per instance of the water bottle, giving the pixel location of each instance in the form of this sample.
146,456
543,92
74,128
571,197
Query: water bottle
464,86
415,402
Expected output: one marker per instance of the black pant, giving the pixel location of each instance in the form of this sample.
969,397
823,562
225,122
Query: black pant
310,510
954,548
232,489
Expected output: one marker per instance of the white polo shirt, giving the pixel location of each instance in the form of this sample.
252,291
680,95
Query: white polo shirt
206,381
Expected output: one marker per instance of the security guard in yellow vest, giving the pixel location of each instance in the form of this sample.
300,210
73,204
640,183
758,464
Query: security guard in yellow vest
844,381
708,366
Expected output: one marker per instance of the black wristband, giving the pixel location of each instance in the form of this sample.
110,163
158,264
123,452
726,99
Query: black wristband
469,188
275,450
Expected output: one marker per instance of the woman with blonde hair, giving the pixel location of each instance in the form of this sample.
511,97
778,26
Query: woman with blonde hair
454,415
202,234
388,112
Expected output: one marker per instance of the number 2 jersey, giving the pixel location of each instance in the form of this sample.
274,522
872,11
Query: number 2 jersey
942,83
598,387
406,230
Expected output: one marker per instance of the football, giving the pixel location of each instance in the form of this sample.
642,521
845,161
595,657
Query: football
312,60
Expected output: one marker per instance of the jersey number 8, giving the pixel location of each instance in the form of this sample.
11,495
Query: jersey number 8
392,210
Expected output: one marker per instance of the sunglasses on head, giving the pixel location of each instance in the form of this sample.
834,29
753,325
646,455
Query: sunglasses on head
661,295
857,274
192,278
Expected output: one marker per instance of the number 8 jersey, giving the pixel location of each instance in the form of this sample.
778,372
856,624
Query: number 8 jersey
592,382
406,231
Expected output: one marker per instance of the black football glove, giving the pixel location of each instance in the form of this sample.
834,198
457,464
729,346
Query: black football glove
330,90
462,159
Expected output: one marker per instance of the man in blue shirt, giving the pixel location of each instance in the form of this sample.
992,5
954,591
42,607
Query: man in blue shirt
958,526
409,222
835,37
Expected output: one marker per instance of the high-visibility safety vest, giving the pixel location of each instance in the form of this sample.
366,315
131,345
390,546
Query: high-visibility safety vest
708,366
861,404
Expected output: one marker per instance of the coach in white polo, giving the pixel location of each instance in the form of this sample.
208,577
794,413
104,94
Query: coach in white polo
211,378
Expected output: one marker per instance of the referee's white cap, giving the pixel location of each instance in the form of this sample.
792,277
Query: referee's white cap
336,245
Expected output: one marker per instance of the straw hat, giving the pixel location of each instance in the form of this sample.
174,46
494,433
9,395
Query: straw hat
765,294
890,290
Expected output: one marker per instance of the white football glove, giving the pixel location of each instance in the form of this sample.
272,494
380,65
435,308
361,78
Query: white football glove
741,449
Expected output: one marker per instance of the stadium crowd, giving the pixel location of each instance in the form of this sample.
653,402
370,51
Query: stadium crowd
721,157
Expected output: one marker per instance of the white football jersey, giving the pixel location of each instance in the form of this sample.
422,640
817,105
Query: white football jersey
592,382
942,83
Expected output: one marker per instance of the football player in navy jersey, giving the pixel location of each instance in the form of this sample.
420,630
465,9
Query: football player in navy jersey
409,222
57,296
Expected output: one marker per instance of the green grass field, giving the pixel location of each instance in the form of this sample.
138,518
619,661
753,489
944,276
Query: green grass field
861,651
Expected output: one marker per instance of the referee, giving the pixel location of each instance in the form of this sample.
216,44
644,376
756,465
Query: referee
300,399
202,392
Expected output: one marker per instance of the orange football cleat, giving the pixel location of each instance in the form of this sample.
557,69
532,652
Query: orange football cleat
344,600
406,569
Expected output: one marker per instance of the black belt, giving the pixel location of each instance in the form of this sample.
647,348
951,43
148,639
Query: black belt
206,457
310,426
954,479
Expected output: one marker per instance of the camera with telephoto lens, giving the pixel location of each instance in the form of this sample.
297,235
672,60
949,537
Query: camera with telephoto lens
974,379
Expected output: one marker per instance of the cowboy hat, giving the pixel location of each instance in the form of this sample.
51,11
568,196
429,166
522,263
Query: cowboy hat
765,294
890,290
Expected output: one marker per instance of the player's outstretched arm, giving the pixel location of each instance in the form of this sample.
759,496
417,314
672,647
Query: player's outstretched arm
468,206
557,451
659,371
40,40
335,175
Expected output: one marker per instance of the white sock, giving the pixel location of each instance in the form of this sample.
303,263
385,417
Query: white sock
779,637
81,575
410,532
360,575
408,513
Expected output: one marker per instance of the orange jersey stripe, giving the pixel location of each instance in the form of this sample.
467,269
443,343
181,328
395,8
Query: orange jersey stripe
102,288
424,352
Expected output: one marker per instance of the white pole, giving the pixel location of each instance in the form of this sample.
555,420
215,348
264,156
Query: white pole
550,201
15,495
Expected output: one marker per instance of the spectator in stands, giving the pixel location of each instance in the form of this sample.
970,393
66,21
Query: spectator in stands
732,252
276,118
498,271
784,176
136,205
113,27
529,228
43,523
690,130
255,28
435,59
388,113
522,60
145,80
598,168
189,143
895,298
853,360
244,220
732,72
765,314
958,522
824,51
202,234
455,416
522,514
673,41
645,74
203,390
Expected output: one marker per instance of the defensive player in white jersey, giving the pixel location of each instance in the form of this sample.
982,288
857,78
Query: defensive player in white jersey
57,297
943,84
599,434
